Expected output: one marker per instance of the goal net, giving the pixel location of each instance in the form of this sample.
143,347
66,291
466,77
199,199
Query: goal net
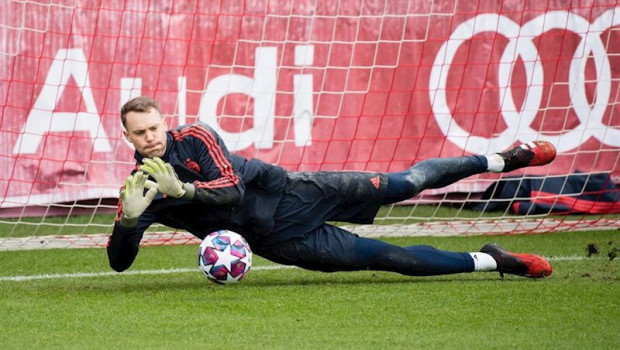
314,85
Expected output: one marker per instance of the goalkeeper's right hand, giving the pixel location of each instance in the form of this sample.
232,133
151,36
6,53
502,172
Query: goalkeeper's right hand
133,199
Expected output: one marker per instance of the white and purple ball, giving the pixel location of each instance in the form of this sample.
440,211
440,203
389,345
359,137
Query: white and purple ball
224,257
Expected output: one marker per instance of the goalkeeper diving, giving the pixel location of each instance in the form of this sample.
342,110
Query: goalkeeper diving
186,179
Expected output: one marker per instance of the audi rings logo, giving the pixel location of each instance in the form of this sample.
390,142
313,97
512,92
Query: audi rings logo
520,44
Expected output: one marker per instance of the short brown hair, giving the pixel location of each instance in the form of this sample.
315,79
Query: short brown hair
138,104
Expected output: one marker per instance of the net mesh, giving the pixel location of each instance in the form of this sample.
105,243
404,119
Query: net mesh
310,85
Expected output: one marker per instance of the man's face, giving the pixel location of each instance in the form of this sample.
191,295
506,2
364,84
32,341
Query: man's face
147,132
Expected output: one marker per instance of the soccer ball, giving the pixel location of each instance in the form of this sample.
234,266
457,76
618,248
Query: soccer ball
224,257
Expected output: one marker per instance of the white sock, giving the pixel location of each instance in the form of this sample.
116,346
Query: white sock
483,262
495,163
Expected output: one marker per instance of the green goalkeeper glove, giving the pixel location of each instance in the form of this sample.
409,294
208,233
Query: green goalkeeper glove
167,180
133,199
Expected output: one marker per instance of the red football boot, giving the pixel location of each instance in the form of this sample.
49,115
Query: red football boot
527,265
534,153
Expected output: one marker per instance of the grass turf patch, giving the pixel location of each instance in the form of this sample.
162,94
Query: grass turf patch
576,307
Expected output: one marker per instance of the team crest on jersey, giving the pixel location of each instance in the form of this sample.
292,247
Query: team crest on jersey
376,181
192,165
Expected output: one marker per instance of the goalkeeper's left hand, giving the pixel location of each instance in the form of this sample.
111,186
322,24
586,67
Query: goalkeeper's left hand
167,180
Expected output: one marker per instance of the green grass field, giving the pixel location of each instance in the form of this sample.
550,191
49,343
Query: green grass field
163,302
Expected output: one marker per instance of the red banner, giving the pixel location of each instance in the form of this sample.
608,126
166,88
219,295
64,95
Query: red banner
349,85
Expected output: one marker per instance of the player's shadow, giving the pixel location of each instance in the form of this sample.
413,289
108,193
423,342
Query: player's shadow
134,286
197,282
261,279
319,278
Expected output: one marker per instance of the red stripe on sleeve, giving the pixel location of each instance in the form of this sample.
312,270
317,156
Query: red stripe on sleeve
215,151
119,207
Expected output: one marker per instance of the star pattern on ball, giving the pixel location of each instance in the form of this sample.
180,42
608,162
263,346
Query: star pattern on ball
225,258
